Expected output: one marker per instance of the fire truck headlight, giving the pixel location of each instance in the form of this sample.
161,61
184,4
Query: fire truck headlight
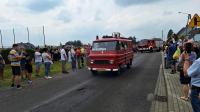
91,61
111,61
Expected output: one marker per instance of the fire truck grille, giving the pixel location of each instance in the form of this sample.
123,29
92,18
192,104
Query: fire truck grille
101,62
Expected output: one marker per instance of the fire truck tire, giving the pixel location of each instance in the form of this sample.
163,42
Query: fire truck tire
129,64
119,71
151,49
159,50
94,73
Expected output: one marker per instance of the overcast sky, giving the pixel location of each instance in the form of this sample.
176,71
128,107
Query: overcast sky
66,20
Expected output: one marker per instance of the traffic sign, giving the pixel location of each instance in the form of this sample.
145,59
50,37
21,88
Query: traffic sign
195,21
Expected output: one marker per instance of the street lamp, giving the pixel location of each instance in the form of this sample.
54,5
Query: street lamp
189,17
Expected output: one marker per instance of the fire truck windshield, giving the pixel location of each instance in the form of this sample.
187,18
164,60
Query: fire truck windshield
104,46
143,42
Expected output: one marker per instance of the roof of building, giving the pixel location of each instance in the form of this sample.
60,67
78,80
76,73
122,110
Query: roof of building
184,31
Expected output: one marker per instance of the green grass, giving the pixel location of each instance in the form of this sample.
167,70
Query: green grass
55,70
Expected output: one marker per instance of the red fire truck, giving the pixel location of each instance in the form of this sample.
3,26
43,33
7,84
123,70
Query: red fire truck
150,45
110,53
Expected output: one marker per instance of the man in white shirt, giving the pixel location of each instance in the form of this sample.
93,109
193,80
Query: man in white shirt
63,59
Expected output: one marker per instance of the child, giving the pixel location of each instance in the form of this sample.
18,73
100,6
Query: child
28,68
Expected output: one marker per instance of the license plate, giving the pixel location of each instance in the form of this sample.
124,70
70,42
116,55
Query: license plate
101,69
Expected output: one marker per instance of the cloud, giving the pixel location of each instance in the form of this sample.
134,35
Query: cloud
98,16
167,13
64,16
3,20
43,5
125,3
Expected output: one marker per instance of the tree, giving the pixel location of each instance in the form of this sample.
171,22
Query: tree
170,34
76,43
175,36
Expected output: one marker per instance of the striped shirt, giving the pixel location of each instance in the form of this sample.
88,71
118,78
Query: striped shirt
14,58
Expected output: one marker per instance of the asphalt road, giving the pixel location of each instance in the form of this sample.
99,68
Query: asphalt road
82,92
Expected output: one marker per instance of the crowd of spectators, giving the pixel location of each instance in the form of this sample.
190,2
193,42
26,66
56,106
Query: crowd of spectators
22,62
183,57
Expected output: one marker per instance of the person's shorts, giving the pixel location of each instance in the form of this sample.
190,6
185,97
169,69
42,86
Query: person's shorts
37,65
171,62
22,67
16,70
174,62
183,79
29,68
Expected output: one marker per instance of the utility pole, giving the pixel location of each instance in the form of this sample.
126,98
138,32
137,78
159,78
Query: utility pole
189,17
28,35
162,36
1,39
44,36
14,34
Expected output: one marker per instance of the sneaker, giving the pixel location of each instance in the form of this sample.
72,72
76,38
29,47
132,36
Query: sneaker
30,82
46,77
19,87
172,72
49,77
12,85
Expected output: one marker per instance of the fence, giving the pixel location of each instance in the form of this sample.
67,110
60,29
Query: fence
34,35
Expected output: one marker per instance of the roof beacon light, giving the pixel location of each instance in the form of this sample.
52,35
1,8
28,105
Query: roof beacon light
97,37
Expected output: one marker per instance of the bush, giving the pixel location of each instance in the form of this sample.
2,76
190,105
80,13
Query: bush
5,53
31,52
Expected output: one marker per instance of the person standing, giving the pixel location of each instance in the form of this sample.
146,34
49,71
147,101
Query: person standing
15,58
63,59
47,62
78,57
165,56
23,62
170,53
2,66
38,61
82,56
194,73
29,68
187,58
72,59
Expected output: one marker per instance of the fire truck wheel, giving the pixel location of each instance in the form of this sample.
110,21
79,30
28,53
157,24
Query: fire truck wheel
94,73
129,64
151,49
119,71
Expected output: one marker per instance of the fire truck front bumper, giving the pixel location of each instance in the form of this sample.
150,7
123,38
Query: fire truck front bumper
143,49
102,69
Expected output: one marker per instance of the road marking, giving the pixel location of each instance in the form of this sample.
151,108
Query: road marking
59,95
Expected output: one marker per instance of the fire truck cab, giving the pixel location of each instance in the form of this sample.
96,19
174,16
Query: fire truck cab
110,53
